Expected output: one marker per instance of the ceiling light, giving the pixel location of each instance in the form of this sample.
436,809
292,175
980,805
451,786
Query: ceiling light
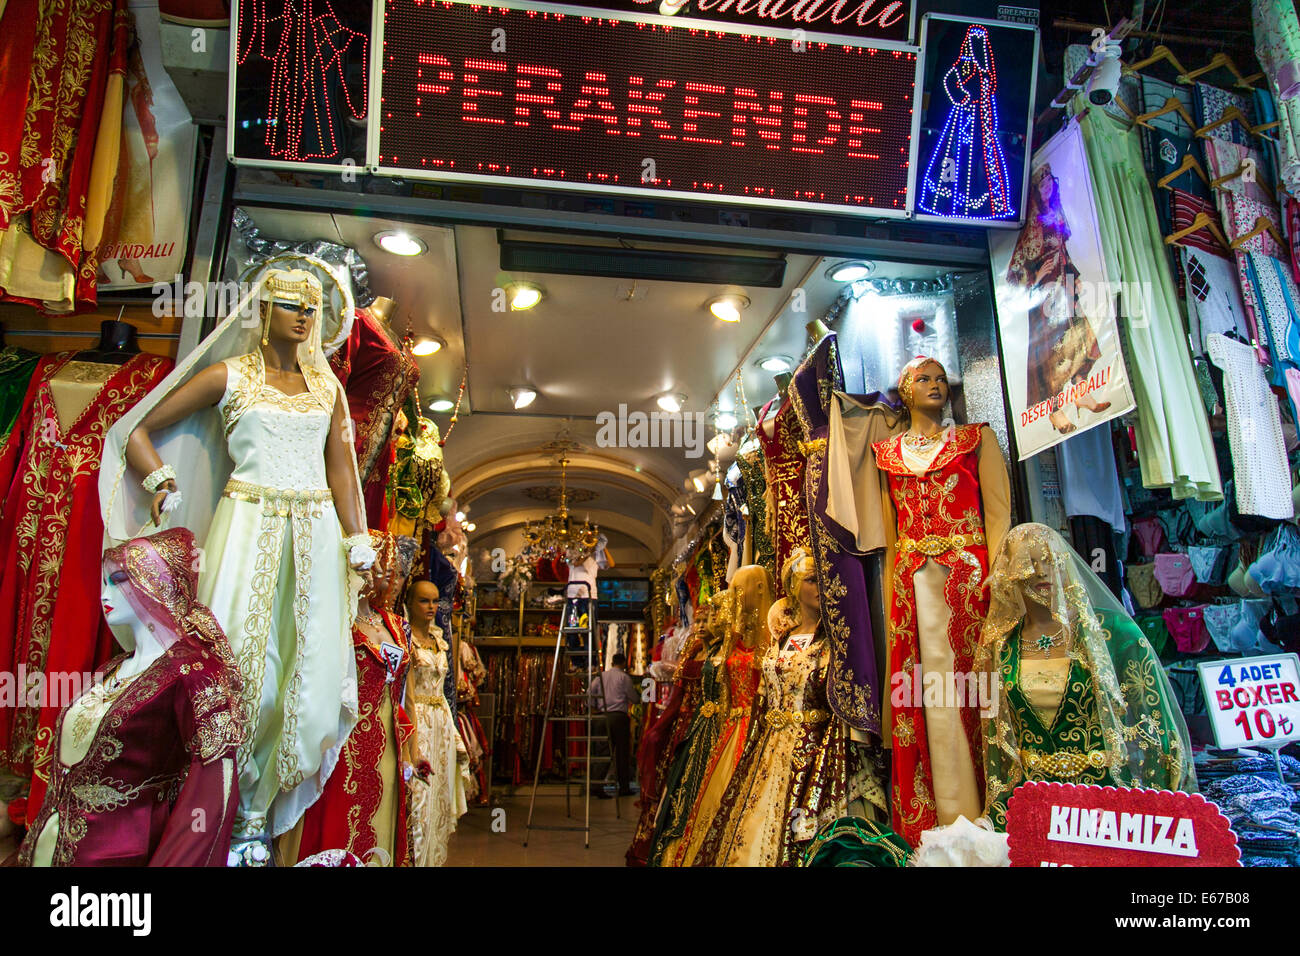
460,516
427,345
728,307
671,402
400,243
850,271
726,421
523,295
471,526
775,363
441,405
521,396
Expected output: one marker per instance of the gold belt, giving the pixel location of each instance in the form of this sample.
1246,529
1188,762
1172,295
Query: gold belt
432,701
279,499
709,708
933,545
794,719
737,712
1063,763
807,447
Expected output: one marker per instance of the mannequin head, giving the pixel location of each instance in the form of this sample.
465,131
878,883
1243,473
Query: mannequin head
422,604
803,600
291,300
923,387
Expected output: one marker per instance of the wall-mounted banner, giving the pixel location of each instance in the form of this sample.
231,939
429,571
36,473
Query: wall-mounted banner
1068,824
1056,309
148,218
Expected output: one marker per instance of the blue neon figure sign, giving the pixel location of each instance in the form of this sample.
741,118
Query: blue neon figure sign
972,132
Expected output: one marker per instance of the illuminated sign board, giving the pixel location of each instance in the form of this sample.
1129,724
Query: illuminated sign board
635,103
633,107
974,111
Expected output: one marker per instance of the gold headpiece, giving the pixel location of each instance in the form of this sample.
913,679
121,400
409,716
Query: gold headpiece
909,372
799,567
295,286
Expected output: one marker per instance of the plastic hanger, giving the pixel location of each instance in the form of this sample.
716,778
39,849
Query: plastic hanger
1222,60
1189,164
1262,224
1204,221
1172,105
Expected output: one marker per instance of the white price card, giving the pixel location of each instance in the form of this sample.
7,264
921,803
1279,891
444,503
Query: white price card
1253,701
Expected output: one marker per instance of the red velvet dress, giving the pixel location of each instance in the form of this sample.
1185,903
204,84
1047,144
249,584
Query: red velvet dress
153,770
377,376
51,537
784,464
940,517
344,816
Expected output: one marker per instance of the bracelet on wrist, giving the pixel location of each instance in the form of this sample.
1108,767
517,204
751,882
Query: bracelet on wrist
352,540
156,479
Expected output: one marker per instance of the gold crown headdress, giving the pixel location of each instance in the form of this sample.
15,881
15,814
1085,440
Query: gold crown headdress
295,286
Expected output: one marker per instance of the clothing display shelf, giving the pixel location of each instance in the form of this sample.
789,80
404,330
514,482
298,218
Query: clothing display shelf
497,617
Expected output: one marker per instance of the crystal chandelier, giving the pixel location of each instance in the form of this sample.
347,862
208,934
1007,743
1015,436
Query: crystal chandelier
557,535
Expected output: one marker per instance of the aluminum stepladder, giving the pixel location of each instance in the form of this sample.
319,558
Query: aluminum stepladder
587,630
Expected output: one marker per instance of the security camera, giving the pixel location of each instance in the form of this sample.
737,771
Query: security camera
1105,77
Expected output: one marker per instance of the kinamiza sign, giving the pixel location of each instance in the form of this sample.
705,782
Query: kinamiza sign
629,106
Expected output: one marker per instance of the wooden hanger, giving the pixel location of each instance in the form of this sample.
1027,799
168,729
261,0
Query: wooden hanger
1204,221
1219,181
1160,54
1189,164
1262,224
1229,115
1172,105
1222,61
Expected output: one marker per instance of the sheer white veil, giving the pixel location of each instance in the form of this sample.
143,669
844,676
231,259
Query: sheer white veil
196,445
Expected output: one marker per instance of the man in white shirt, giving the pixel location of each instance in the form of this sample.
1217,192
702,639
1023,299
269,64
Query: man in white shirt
613,692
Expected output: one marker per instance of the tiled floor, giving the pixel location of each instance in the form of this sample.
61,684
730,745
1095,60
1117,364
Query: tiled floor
477,843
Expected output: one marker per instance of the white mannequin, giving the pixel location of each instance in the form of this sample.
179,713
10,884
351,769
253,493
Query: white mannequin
143,645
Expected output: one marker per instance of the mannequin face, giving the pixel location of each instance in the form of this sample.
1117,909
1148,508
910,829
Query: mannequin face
929,389
1040,584
291,323
422,604
810,597
116,608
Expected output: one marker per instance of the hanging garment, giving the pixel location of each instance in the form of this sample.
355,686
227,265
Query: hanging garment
377,375
1173,436
1279,304
62,70
753,475
1166,153
947,517
1277,46
51,536
1213,296
16,369
1156,93
1263,477
363,807
1089,478
1212,102
733,519
853,683
785,468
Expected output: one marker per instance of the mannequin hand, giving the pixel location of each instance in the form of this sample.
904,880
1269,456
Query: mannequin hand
156,509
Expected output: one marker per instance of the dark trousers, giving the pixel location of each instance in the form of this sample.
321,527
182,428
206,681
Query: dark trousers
620,740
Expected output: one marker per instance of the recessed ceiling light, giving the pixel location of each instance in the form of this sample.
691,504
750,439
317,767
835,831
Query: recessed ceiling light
400,243
850,271
460,516
523,295
441,405
670,401
427,345
728,307
470,526
521,396
726,421
775,363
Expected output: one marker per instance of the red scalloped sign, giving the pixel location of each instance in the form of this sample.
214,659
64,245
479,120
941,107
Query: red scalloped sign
1068,824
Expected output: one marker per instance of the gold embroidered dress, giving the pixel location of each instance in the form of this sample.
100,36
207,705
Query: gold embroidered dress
274,577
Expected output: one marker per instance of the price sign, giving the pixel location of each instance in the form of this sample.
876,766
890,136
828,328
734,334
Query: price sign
1253,701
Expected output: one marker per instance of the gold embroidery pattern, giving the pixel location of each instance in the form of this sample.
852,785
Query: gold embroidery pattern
288,764
256,630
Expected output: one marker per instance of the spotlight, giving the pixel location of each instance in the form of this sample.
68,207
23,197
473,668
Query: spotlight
471,526
775,363
427,346
670,401
400,243
725,421
850,271
441,405
460,516
523,295
728,307
521,396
